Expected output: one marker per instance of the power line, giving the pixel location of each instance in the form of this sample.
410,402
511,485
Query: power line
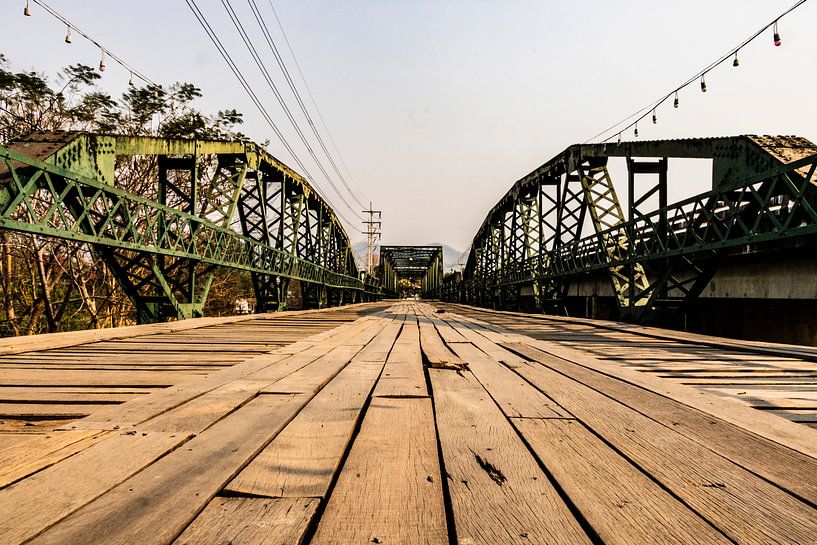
287,76
651,108
314,102
104,50
253,97
265,73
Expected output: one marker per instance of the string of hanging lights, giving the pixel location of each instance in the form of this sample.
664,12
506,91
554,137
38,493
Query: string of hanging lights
104,52
631,121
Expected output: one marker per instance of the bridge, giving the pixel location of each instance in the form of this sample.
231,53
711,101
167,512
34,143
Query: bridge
211,204
420,266
452,418
561,237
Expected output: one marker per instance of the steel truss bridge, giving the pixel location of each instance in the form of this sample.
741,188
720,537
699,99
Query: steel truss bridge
189,207
423,264
564,220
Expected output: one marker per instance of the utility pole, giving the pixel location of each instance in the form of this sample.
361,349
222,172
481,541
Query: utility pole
372,233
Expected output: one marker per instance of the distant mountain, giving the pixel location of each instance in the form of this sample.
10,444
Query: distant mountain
451,256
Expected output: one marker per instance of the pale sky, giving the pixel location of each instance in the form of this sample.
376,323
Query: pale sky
438,107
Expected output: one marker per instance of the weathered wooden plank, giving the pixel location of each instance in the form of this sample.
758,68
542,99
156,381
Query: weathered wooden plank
470,331
389,490
159,502
436,352
48,410
39,451
403,375
302,459
142,409
785,467
201,412
378,348
663,335
743,506
769,426
498,492
272,367
178,346
31,505
515,397
790,434
41,377
251,521
313,377
15,345
446,331
622,504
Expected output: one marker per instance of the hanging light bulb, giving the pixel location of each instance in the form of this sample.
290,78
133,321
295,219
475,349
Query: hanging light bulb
777,41
736,62
68,37
130,80
618,142
635,131
654,118
703,84
27,10
676,102
102,62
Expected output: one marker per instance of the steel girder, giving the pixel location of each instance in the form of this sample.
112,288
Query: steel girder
654,258
202,204
422,263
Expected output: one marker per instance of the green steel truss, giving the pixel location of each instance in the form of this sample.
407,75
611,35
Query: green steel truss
420,263
191,206
537,239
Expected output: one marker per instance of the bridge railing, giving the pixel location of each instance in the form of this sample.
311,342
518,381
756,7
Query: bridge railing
771,206
86,210
40,198
778,204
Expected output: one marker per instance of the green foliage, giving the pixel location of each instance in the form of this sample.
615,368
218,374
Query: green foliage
80,74
29,102
50,285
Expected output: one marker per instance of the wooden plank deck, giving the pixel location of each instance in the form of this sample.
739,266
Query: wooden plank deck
48,380
777,379
406,423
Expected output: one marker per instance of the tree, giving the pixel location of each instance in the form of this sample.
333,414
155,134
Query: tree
56,285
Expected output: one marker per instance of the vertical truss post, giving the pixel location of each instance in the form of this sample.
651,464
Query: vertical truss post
496,262
629,281
637,213
549,289
261,212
